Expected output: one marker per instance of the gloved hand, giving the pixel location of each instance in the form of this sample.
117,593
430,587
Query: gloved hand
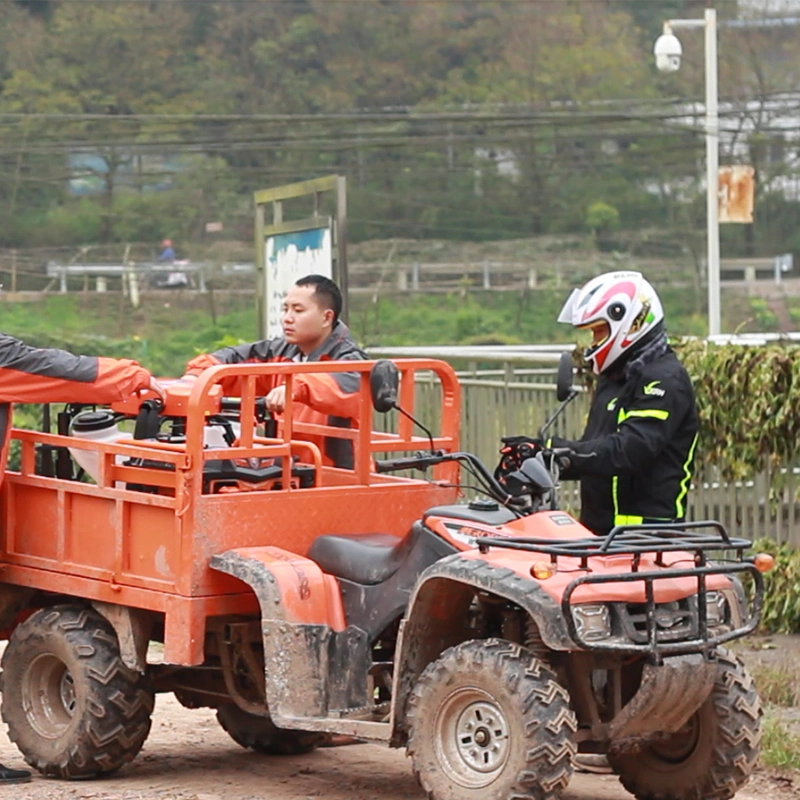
562,457
562,451
514,451
516,441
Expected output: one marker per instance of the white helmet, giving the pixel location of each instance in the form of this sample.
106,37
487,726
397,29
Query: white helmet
620,308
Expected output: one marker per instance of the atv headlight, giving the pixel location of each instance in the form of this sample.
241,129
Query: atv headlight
592,621
716,608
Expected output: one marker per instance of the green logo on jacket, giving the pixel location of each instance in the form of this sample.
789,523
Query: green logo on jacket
652,390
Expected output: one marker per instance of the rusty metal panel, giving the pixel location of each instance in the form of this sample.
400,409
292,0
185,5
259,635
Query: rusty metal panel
736,192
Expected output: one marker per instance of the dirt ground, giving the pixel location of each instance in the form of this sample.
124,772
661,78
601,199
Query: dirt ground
189,757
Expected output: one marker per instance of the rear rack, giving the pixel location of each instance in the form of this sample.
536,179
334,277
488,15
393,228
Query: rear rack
636,540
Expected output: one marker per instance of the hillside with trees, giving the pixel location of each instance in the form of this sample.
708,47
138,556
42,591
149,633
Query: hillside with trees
459,120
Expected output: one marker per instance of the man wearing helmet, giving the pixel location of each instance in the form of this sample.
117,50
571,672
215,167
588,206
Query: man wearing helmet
635,457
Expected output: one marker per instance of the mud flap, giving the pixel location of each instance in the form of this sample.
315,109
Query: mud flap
667,697
310,669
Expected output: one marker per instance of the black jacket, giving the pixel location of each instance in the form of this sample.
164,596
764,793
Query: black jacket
635,457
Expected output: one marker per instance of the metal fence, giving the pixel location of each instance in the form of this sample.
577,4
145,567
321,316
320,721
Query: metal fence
515,400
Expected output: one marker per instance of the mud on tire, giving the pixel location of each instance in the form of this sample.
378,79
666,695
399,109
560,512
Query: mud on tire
489,721
712,757
71,705
262,735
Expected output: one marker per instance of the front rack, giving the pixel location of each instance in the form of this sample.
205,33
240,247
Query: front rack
702,639
634,540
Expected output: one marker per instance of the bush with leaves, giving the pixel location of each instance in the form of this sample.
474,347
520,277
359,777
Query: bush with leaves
781,610
748,398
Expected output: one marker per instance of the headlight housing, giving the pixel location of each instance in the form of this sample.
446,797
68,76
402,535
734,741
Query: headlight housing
592,621
716,609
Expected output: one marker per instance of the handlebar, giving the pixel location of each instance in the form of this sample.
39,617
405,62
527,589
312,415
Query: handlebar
235,404
420,461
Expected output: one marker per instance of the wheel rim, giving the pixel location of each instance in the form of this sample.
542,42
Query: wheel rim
48,696
472,739
678,747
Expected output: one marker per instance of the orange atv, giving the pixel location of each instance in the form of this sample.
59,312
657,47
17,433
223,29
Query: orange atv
494,640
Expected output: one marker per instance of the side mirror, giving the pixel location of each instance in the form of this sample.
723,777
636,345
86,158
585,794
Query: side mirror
564,378
532,475
384,381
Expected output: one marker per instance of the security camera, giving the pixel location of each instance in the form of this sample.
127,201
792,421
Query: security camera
668,52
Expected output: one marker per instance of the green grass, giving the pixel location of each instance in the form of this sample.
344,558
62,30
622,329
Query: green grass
778,685
780,746
779,689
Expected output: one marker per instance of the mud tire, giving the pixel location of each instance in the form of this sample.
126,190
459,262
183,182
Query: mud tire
712,757
71,705
489,721
262,735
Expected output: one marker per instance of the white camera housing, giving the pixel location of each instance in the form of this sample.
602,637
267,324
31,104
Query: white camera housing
668,52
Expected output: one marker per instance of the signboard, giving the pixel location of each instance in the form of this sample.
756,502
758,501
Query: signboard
291,248
736,186
287,257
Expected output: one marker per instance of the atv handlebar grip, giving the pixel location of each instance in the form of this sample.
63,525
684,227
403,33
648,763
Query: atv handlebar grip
412,462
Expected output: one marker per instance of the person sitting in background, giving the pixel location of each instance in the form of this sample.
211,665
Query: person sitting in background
312,331
167,254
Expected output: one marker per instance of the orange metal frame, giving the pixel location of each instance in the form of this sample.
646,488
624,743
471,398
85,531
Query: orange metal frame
151,551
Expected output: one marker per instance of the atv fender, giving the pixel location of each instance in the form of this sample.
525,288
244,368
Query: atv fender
313,663
438,618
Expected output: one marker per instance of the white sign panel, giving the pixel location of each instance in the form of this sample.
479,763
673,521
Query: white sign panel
289,256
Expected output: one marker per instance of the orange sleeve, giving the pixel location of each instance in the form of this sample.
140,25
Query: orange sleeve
48,375
196,365
115,380
325,393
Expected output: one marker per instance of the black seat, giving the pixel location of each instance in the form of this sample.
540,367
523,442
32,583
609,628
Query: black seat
365,558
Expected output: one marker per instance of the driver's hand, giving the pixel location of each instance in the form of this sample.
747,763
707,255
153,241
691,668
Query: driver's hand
276,399
156,387
562,457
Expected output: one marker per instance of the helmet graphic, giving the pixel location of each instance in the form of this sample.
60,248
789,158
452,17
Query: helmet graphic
620,308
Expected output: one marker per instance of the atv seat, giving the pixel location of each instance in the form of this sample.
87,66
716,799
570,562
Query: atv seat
365,558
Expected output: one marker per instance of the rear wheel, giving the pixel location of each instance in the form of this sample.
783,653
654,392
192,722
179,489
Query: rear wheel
489,721
262,735
72,706
712,756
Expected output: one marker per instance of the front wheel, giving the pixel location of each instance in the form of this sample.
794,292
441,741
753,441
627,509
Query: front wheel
712,756
72,706
489,721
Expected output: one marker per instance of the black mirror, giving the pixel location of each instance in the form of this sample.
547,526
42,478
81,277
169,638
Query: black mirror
532,474
564,378
537,473
384,380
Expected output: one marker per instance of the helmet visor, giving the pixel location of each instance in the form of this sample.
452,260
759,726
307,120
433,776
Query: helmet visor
569,307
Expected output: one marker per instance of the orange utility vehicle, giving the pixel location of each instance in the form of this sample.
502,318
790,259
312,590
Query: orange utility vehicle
493,639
